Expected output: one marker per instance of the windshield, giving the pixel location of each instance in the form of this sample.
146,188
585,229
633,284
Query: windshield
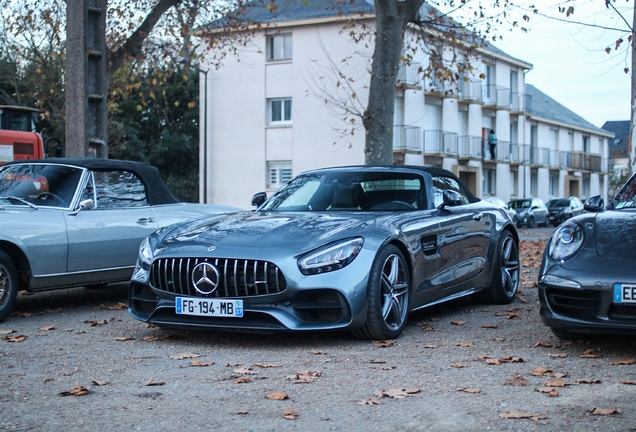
626,197
350,191
42,185
558,203
519,204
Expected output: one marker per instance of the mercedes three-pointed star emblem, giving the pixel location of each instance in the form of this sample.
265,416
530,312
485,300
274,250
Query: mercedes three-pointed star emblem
205,278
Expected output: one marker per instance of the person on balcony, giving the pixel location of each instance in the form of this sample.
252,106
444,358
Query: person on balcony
492,142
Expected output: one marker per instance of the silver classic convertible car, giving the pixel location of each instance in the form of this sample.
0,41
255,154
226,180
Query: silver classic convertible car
341,248
79,222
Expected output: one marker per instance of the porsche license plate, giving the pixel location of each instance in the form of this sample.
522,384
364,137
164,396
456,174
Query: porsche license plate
625,293
209,307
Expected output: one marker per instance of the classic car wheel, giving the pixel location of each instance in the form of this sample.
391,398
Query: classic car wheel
505,272
8,285
531,222
387,296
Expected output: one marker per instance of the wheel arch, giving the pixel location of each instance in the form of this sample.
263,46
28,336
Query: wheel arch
405,252
20,260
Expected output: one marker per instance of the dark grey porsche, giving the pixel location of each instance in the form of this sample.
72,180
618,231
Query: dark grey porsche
587,282
353,248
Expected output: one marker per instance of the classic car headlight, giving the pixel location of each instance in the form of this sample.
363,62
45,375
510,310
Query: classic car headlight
145,254
331,257
566,241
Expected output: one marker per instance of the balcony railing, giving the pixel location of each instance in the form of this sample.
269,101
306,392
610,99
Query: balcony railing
409,75
520,102
539,156
440,142
470,90
554,158
503,97
469,147
407,138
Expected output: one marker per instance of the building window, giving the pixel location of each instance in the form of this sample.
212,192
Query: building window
279,47
279,173
280,110
488,182
554,184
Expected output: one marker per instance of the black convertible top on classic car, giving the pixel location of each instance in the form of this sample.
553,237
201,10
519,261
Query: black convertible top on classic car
157,190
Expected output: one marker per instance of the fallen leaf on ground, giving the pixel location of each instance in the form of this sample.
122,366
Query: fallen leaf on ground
197,362
99,382
516,414
318,352
242,380
241,411
589,354
45,380
498,339
18,338
118,306
628,382
472,390
386,368
622,362
516,380
605,411
465,344
124,338
490,326
458,365
383,343
425,326
400,393
76,391
588,381
550,391
430,346
268,365
435,319
6,332
304,376
244,371
369,401
511,359
290,414
183,356
458,323
96,323
556,383
150,339
48,328
277,396
377,361
559,355
543,344
541,371
155,383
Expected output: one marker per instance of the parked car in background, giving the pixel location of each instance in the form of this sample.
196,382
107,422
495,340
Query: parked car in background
79,222
562,209
353,248
501,203
530,212
587,282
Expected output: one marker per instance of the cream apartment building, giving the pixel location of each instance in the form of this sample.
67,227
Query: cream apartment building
283,104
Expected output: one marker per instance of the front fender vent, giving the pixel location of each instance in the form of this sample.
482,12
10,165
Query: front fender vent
237,278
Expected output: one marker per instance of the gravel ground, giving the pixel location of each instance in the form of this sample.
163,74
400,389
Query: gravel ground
459,366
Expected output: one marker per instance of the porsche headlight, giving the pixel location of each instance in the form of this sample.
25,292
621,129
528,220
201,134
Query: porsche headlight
331,257
145,254
566,241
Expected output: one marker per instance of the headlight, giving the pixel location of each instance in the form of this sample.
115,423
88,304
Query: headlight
145,254
331,257
566,241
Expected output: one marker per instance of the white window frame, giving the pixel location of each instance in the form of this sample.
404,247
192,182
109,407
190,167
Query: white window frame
278,173
279,47
489,182
285,111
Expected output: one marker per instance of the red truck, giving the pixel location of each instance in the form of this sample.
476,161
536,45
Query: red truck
18,138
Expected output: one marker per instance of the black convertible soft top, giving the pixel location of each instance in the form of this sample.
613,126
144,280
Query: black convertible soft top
157,190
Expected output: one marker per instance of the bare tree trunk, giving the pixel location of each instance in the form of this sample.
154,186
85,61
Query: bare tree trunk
392,17
632,125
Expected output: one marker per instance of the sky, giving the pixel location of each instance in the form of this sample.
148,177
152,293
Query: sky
569,61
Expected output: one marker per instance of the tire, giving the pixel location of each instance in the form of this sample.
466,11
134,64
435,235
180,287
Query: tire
515,221
505,272
531,222
8,285
388,295
566,335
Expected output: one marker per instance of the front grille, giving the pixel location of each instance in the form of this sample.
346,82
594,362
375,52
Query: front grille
237,278
574,303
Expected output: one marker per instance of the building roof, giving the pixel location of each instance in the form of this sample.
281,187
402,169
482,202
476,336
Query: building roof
619,145
264,12
543,106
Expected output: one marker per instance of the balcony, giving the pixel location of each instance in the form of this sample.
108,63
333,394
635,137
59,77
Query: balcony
438,86
440,142
520,102
409,76
519,154
539,156
469,147
470,90
407,138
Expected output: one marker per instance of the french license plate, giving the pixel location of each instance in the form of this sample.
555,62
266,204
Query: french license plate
209,307
625,293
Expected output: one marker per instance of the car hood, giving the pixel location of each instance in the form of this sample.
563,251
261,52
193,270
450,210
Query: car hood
557,208
615,234
291,231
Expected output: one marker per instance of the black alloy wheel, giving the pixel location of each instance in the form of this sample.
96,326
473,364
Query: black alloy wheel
505,272
8,285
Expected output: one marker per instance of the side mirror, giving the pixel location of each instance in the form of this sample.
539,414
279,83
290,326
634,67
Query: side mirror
87,204
594,204
258,199
451,198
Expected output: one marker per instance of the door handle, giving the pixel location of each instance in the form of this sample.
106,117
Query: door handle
144,221
478,216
